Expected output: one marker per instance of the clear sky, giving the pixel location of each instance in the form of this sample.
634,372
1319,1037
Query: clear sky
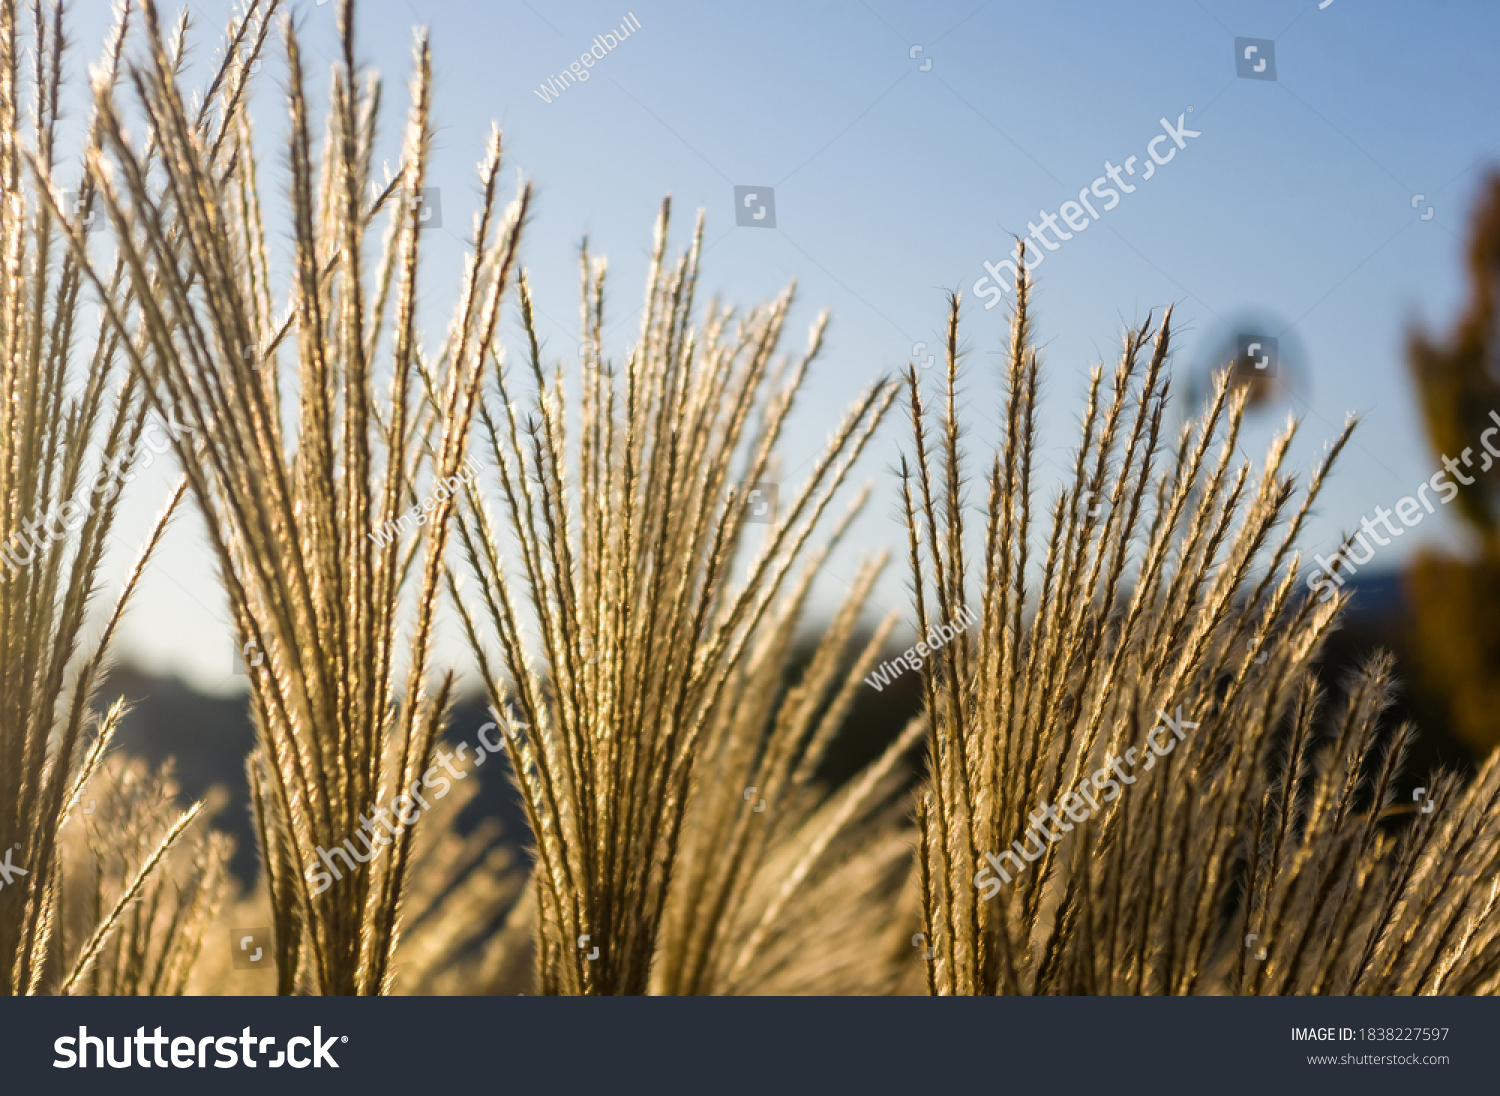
895,179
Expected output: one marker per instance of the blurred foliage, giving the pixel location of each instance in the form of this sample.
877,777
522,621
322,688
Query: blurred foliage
1456,598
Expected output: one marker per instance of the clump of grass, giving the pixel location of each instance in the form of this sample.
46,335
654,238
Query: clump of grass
69,437
648,645
342,727
774,870
116,843
1168,578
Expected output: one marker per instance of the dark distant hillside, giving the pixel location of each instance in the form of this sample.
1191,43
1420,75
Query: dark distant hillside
210,738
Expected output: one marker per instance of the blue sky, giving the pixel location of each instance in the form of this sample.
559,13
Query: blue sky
893,184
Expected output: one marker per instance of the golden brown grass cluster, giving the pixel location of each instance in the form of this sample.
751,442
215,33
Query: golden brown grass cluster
69,438
1250,853
656,756
345,713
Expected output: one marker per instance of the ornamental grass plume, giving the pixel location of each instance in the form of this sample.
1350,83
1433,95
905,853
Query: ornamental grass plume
69,438
1253,848
151,945
343,727
653,705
